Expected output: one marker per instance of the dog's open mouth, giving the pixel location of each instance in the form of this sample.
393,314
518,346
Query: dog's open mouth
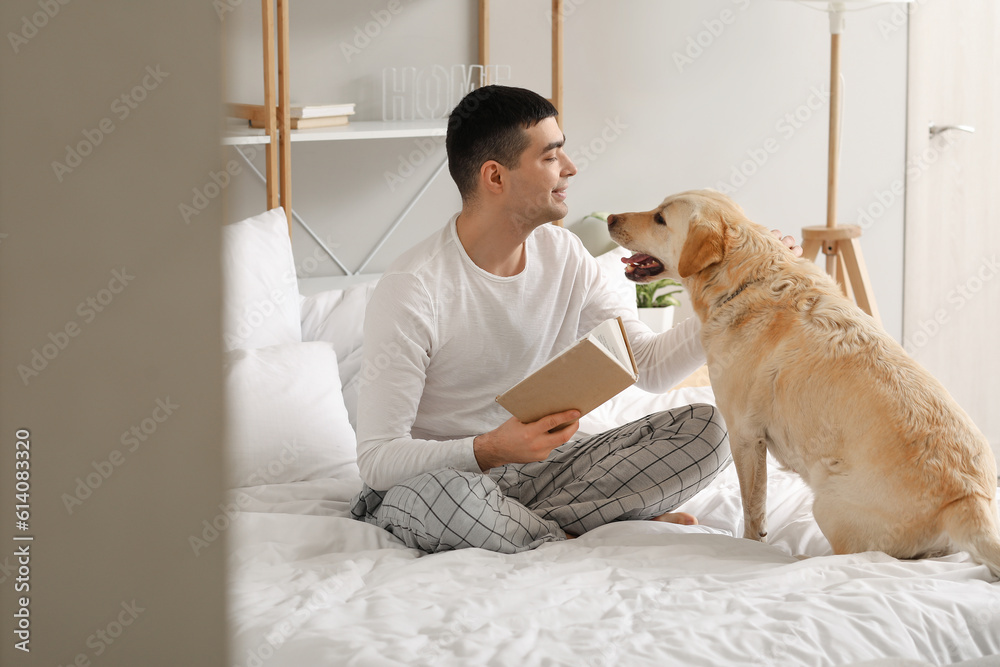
640,266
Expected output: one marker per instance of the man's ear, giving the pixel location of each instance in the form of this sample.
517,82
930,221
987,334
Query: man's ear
491,175
703,247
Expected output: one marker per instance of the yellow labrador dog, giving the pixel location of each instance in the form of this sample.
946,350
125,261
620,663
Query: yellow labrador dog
800,371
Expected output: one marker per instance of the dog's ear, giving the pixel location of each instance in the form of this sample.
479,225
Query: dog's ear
703,247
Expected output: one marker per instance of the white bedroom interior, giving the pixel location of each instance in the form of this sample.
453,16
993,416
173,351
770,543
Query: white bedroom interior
648,111
663,97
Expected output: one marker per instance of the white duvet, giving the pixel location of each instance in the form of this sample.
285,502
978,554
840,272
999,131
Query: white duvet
310,586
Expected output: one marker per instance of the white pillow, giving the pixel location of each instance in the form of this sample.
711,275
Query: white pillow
350,376
260,303
286,420
338,316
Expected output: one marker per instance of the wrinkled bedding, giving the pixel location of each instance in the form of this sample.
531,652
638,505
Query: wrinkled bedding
310,586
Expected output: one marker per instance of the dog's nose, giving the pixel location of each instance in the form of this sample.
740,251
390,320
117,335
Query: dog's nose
612,219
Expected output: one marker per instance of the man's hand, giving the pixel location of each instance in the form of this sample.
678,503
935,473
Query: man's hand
788,241
516,442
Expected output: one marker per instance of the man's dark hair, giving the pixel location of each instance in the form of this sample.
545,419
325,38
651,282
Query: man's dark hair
488,124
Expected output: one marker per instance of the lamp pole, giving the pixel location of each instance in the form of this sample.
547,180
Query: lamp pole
839,242
833,153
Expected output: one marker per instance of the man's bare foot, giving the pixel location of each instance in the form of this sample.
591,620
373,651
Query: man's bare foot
682,518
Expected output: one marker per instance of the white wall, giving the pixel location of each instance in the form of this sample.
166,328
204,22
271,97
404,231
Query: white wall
640,124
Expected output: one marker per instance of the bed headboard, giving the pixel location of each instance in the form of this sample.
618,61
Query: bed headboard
314,285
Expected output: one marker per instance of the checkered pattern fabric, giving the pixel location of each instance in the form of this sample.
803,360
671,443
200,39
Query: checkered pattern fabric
637,471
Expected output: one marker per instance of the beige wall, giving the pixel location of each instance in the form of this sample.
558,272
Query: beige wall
115,300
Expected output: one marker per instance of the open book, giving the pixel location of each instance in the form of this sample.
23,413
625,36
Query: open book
581,377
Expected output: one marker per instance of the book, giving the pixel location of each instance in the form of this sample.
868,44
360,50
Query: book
255,113
306,123
322,110
583,376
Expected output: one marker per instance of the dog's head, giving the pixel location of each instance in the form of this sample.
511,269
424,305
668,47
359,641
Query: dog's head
683,236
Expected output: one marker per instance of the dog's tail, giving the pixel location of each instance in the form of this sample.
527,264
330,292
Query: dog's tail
971,522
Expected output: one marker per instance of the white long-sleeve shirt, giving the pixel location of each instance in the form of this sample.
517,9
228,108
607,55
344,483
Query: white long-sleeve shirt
443,338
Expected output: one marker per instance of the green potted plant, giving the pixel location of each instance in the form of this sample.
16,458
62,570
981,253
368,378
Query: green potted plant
655,302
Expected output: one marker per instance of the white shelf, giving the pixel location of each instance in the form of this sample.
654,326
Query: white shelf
241,135
374,129
366,129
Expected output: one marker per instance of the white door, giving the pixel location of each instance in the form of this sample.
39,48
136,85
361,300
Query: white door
951,289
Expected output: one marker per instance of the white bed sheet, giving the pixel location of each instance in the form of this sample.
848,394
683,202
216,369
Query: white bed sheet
310,586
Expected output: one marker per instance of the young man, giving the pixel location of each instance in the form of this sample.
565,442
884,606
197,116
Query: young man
472,310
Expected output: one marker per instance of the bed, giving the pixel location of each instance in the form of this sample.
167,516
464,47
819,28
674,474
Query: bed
311,586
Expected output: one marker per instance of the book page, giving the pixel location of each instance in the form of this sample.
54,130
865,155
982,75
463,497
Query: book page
608,334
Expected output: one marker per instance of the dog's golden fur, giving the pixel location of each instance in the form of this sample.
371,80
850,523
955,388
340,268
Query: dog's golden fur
798,370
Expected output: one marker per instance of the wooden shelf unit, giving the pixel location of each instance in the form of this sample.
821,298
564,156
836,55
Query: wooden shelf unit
277,135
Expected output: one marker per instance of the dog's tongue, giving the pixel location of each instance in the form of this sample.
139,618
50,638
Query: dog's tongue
637,258
641,265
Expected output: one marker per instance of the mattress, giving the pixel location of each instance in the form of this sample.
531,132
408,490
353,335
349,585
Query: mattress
311,586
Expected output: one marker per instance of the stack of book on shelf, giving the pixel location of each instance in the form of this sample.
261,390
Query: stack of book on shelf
302,117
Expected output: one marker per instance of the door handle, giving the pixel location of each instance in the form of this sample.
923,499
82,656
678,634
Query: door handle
936,129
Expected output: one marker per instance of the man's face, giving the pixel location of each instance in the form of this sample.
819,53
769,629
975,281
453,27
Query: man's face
537,191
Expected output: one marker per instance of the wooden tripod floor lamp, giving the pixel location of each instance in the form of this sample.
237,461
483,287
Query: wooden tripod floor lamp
840,243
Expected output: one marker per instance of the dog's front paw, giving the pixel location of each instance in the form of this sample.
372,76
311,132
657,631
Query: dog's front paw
754,530
757,537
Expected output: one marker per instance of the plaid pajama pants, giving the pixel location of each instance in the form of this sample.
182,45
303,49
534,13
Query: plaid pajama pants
636,471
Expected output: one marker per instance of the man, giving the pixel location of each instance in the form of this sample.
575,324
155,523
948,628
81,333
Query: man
475,308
